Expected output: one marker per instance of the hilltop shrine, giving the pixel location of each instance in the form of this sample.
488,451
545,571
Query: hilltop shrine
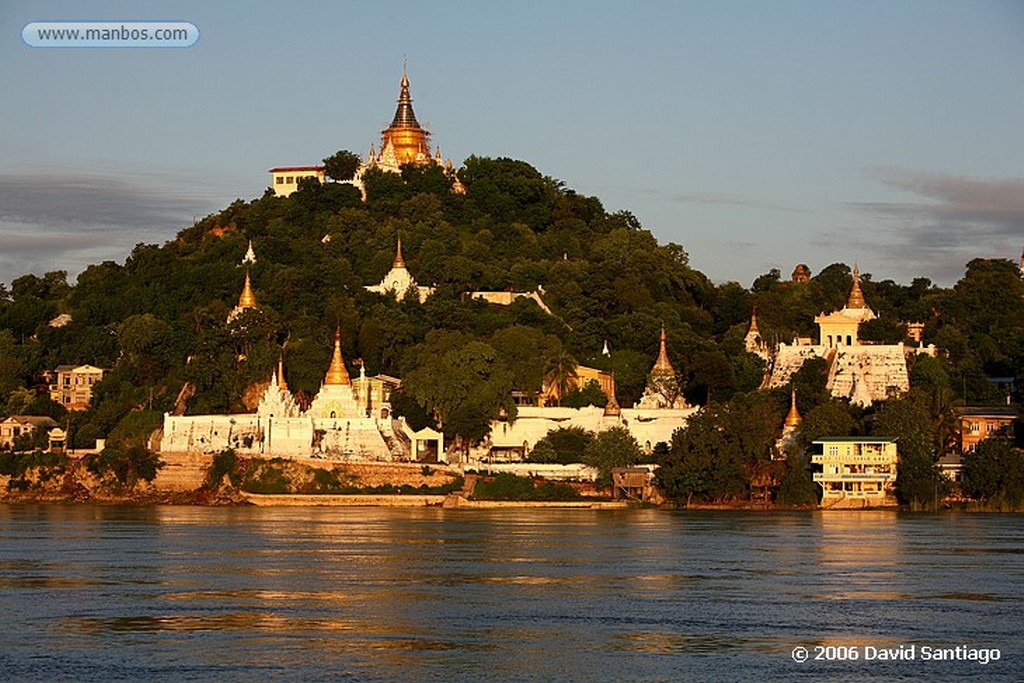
405,141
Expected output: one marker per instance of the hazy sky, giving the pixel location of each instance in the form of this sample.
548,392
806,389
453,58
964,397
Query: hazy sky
756,134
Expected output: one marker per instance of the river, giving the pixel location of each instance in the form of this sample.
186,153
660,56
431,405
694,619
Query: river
96,593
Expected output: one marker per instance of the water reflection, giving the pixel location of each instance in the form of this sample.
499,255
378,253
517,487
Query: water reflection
319,593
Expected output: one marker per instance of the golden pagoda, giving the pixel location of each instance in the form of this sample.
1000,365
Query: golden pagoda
337,374
663,390
793,419
405,141
399,262
246,301
856,299
662,366
247,298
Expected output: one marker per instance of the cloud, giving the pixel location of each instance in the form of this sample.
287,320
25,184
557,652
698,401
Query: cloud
90,202
67,222
957,219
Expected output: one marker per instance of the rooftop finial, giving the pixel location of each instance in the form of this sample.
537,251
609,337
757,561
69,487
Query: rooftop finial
856,299
399,261
247,299
662,366
280,372
337,374
793,419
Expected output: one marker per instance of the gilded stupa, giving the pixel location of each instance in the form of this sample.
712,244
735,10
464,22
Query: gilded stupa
336,399
662,389
405,141
337,374
247,300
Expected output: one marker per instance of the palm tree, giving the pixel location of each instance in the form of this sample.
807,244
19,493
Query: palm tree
560,374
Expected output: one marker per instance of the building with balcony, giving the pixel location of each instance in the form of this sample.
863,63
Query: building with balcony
72,385
856,472
977,423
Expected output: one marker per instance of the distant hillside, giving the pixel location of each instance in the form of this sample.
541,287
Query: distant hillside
159,320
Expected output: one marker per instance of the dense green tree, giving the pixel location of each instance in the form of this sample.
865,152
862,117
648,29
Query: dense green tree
709,456
919,482
12,369
564,446
341,165
994,472
524,351
797,487
460,383
611,448
590,395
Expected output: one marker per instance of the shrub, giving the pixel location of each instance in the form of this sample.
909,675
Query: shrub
127,466
267,479
506,486
224,463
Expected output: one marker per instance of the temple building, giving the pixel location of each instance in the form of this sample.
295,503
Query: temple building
399,281
348,420
662,390
405,141
801,274
753,342
653,419
863,373
250,256
840,327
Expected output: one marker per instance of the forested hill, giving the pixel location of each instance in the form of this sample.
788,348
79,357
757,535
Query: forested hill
159,319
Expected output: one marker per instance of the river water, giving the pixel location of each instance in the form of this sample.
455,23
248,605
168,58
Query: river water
340,594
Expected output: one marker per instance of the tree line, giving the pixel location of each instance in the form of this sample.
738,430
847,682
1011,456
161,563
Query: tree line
158,320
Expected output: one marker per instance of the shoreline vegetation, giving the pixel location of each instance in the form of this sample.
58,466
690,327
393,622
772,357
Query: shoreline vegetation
228,480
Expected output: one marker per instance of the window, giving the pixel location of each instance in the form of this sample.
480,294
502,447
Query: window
279,180
291,180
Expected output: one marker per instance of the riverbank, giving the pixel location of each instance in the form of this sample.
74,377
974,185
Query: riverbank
414,500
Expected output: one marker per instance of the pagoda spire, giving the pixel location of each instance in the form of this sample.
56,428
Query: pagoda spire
280,372
662,366
399,261
247,299
793,420
405,117
856,299
337,374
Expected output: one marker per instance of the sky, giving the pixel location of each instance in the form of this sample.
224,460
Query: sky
756,134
